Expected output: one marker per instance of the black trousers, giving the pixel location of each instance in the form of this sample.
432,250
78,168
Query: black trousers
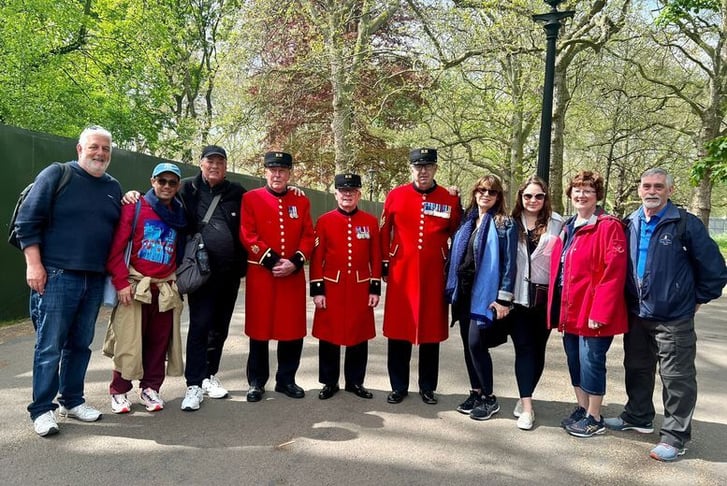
354,367
210,311
258,362
530,334
464,332
399,358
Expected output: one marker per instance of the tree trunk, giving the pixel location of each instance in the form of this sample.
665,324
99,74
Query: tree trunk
701,201
342,112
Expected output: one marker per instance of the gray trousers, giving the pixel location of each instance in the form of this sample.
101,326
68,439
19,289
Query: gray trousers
673,344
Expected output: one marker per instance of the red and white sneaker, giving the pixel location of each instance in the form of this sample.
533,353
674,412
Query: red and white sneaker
120,404
151,400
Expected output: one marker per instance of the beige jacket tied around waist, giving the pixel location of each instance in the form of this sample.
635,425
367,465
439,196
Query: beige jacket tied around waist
123,340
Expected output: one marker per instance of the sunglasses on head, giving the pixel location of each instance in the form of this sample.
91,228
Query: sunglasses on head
538,197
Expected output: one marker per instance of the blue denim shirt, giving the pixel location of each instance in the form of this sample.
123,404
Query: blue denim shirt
508,238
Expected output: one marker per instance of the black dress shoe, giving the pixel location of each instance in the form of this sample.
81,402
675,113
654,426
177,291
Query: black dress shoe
359,391
328,391
428,397
291,389
255,394
396,396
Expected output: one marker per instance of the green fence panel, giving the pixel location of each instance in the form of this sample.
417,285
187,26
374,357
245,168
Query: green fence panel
24,153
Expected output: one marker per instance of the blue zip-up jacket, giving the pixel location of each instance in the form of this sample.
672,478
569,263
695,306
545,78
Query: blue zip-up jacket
679,275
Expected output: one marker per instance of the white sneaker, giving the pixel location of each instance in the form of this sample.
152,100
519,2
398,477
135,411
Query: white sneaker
526,420
82,412
518,408
192,398
213,388
119,403
45,424
151,400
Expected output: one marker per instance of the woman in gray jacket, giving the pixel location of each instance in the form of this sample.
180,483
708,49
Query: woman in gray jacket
538,228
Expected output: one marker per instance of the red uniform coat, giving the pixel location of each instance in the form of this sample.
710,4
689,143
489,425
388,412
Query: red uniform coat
346,268
415,229
274,227
594,276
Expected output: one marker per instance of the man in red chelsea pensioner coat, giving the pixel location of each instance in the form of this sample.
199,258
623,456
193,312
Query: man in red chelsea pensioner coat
277,231
416,225
345,286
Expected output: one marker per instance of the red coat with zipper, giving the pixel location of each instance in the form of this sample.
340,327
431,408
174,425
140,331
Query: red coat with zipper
594,277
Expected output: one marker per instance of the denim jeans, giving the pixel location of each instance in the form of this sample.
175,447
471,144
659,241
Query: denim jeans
64,318
587,361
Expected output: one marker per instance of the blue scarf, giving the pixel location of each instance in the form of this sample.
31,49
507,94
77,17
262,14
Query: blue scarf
487,266
172,215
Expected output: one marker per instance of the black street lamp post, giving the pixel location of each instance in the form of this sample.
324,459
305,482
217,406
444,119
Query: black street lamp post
551,23
372,178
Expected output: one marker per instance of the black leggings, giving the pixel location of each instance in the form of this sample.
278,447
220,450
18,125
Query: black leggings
530,338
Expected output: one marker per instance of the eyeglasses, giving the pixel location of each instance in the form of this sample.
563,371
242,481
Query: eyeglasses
487,192
538,197
583,192
167,182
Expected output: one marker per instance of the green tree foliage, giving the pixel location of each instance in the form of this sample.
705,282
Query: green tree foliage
355,84
144,69
331,81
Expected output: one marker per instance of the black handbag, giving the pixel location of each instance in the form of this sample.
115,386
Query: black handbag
194,271
537,295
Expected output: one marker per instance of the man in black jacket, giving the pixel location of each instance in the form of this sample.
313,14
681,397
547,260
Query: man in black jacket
211,306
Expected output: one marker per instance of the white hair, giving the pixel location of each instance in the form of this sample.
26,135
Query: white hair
94,129
661,172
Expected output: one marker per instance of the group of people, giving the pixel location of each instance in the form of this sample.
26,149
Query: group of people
519,273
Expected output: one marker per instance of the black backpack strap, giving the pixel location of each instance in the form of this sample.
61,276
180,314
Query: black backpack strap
64,179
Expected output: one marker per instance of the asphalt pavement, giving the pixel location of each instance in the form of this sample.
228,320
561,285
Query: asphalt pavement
352,441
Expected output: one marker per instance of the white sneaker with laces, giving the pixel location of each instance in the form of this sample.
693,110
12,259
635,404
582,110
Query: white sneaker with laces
526,420
192,398
213,388
151,400
119,403
518,408
45,424
82,412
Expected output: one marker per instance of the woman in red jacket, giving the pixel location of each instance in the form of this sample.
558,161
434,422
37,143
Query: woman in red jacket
586,301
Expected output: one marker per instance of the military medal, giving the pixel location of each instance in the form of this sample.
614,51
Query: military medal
362,233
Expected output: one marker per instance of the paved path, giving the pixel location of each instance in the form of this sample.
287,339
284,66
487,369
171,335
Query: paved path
351,441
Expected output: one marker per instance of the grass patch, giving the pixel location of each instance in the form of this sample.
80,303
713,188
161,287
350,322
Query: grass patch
722,242
13,322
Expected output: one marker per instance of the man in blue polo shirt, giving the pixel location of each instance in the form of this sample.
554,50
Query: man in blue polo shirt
66,240
674,267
